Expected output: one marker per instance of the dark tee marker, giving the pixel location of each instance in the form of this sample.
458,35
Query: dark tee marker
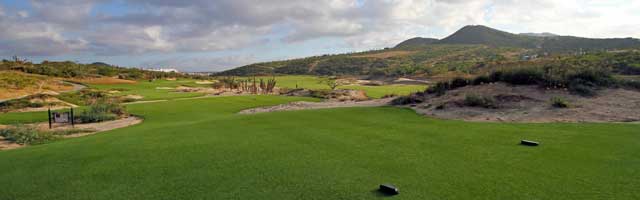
529,143
388,189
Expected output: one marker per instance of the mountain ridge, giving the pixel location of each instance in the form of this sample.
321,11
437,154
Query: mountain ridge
461,50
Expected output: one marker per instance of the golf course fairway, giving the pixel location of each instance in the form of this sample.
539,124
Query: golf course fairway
202,149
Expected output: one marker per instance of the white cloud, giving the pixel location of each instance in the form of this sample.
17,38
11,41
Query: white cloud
68,26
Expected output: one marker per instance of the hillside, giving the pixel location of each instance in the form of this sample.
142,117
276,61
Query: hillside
16,84
489,36
545,42
465,51
416,41
425,60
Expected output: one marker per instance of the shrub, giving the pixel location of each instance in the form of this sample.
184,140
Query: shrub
101,111
474,100
582,89
495,76
24,134
522,76
481,80
439,89
559,102
630,84
459,82
411,99
319,93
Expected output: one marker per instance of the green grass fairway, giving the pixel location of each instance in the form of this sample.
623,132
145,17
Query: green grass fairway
200,149
313,82
23,117
149,89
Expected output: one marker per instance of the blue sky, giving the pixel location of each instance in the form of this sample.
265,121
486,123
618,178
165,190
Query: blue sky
205,35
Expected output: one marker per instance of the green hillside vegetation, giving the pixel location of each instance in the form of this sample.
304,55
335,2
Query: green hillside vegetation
69,69
469,47
429,60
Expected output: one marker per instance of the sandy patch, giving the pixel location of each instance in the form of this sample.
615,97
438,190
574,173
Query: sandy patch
134,97
302,105
408,81
533,104
164,88
204,82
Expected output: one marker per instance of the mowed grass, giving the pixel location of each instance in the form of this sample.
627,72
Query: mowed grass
152,90
23,117
201,149
314,82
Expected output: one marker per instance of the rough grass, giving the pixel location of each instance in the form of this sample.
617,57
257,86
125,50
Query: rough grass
15,84
200,149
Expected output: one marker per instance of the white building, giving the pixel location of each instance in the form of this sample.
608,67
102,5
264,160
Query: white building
163,70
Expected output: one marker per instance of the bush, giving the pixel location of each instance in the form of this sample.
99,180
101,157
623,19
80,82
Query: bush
630,84
522,76
411,99
319,93
559,102
481,80
439,89
101,111
23,134
582,89
459,82
474,100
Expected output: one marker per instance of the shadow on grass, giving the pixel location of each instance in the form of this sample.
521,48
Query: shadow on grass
378,193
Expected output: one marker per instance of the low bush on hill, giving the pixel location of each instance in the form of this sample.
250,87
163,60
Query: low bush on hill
413,98
521,76
441,87
474,100
559,102
583,81
104,110
482,79
629,84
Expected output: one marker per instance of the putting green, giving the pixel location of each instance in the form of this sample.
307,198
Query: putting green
201,149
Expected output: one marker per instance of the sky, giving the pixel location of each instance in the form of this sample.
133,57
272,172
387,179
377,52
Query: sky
214,35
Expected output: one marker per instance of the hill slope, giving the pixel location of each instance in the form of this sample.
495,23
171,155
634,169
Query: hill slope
489,36
461,52
416,41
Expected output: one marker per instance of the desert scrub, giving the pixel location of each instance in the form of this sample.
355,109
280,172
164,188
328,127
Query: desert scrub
104,110
411,99
559,102
26,134
474,100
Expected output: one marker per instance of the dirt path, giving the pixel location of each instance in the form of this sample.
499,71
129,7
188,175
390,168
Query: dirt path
94,127
302,105
76,87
